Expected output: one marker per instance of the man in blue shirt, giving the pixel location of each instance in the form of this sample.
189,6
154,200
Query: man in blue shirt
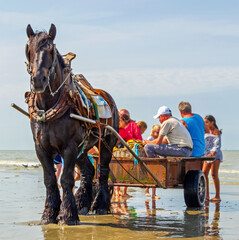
195,125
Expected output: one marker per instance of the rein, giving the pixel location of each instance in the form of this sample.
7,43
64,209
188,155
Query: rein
53,93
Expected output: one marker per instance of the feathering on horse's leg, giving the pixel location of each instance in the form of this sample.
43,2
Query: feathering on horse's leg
53,201
84,194
68,211
101,204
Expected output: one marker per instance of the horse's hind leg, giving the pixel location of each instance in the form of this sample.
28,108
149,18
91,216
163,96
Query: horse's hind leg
53,201
101,204
68,212
84,194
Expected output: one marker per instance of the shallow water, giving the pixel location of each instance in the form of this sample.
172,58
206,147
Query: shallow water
22,196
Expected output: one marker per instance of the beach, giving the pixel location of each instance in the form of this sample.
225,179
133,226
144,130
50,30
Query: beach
22,197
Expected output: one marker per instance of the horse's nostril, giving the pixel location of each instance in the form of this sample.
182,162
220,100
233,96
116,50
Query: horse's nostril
44,79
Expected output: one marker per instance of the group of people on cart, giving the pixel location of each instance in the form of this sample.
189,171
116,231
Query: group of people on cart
192,136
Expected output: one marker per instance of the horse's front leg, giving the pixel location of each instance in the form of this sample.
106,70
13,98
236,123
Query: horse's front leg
68,211
84,194
101,204
53,201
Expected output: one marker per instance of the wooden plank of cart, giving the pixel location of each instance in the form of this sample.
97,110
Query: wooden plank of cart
171,172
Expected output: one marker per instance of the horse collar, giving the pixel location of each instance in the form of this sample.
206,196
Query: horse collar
55,112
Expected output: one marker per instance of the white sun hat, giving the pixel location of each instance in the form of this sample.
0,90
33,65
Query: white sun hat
162,111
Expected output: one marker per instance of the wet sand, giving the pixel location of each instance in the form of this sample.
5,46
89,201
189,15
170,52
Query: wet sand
22,196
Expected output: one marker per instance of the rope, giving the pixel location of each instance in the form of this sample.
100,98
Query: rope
136,150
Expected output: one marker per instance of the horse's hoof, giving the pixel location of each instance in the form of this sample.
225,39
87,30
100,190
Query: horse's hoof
83,211
69,222
48,221
101,212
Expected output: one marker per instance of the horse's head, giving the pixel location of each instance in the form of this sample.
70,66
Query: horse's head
41,55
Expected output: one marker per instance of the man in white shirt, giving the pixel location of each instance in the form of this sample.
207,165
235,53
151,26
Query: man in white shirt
173,140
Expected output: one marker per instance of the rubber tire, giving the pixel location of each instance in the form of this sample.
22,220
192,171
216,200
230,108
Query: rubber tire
195,188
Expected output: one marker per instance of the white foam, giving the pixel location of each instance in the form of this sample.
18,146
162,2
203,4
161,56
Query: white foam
20,163
229,171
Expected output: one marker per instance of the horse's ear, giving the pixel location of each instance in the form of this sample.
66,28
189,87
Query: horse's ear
30,32
52,32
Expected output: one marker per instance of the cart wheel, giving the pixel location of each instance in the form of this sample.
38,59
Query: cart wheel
195,188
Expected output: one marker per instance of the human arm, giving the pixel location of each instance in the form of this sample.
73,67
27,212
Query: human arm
211,154
165,141
134,130
158,140
184,123
137,133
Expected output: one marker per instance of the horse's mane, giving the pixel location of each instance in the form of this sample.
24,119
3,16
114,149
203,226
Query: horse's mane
60,60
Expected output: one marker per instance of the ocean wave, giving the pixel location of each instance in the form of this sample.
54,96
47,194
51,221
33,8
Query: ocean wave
229,171
20,163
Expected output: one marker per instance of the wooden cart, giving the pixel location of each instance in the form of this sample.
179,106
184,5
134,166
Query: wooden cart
157,172
171,172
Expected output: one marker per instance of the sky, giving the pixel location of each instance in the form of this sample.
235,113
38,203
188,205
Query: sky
145,53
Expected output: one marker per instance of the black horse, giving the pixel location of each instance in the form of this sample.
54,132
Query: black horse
51,101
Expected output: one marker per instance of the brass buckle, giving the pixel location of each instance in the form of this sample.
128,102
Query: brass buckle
41,115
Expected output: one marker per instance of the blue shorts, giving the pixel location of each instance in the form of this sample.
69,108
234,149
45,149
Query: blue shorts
58,159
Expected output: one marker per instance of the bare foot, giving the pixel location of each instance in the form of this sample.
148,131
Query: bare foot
155,198
215,199
148,194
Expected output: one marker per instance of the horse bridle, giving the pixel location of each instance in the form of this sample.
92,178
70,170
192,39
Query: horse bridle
51,71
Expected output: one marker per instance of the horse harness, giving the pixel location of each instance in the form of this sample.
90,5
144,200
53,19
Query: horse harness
70,98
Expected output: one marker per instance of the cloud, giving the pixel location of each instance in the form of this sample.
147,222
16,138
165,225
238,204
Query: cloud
145,82
164,82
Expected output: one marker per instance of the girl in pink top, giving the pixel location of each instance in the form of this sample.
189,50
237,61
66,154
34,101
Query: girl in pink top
132,127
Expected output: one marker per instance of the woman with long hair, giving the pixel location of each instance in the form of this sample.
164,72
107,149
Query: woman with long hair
213,148
126,135
131,127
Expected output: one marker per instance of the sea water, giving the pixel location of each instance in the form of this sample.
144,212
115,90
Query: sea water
228,171
22,198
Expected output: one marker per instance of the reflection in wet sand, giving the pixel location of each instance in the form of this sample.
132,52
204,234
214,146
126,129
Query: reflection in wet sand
212,229
126,223
97,227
